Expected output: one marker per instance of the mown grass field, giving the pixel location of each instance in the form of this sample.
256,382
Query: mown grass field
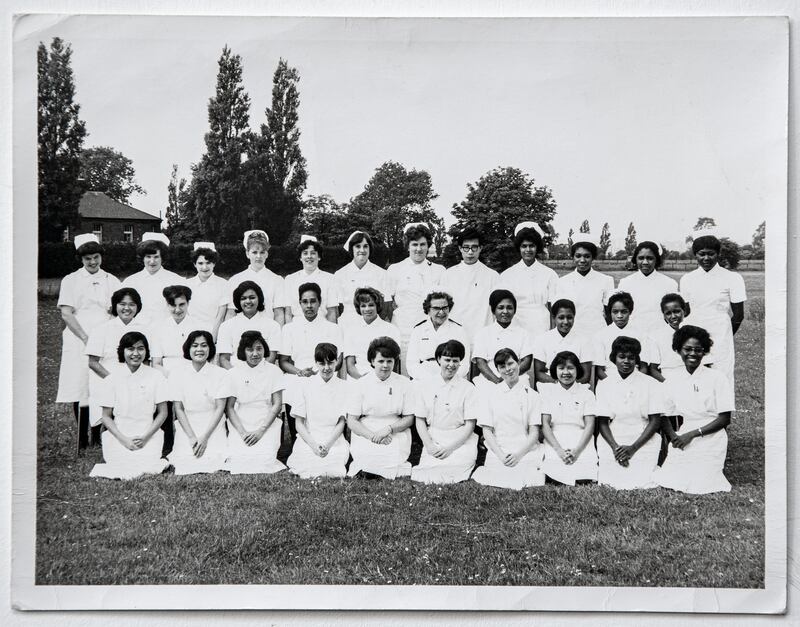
279,529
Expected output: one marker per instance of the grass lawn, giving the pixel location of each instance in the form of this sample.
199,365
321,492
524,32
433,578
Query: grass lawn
279,529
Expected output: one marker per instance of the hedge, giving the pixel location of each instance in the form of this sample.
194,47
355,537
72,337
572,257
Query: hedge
58,259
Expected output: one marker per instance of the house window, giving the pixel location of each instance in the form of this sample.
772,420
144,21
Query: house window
98,231
127,233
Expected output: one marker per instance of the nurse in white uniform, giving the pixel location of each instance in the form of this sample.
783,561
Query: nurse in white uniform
209,291
320,415
511,430
470,283
101,348
703,398
256,246
560,338
199,391
84,300
715,298
251,315
379,414
586,287
310,252
253,406
568,418
411,281
134,402
533,284
359,335
629,409
153,278
647,285
360,272
446,416
436,329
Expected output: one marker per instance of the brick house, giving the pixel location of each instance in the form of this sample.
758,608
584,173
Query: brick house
113,221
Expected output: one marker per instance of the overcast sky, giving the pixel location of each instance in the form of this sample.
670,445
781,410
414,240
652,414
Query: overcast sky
651,121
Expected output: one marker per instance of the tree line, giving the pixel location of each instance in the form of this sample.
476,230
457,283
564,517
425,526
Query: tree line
256,177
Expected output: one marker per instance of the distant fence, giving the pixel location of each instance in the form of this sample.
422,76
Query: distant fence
669,265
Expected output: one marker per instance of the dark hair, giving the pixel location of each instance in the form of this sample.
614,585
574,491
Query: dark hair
384,345
706,241
357,238
673,298
652,246
244,286
530,234
621,297
309,287
451,348
562,303
587,245
501,357
469,232
426,304
249,339
128,340
89,248
497,296
625,344
209,253
565,357
187,344
171,292
325,352
364,295
151,247
313,244
121,293
689,331
415,232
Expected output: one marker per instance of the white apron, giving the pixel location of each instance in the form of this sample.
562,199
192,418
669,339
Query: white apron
387,460
585,468
452,469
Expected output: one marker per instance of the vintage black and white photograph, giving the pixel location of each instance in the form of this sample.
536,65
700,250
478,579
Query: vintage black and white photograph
465,313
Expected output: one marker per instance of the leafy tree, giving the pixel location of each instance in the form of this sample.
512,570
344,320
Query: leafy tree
584,228
439,234
278,165
704,222
323,217
392,198
496,203
729,254
60,139
569,238
218,197
605,241
181,225
104,169
630,240
758,241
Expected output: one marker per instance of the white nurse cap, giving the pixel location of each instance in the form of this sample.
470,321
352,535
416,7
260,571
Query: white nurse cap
247,235
155,237
85,238
350,239
706,231
209,245
308,238
411,225
528,225
585,238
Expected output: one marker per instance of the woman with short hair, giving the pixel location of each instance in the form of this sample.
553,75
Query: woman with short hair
251,315
368,302
310,252
209,291
647,285
84,299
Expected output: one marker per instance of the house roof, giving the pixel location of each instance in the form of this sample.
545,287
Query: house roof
99,206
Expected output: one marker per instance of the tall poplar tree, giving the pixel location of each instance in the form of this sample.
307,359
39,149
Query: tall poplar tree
60,138
630,240
584,227
218,198
605,240
277,163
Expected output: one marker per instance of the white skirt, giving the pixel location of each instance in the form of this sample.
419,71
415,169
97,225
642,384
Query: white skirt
697,469
182,456
73,373
307,464
452,469
535,319
527,473
387,460
261,457
122,463
639,472
584,468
